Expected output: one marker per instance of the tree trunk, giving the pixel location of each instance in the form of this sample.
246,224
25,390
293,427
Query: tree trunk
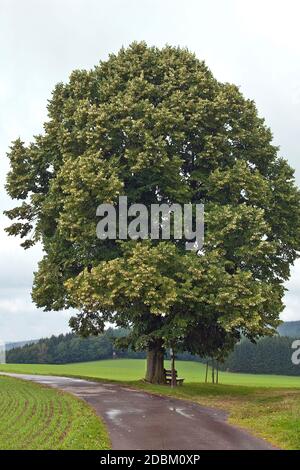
155,364
213,371
217,378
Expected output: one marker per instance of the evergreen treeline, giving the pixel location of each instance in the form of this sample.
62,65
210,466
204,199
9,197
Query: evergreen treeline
68,348
268,356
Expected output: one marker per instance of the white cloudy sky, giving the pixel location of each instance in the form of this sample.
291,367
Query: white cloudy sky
253,43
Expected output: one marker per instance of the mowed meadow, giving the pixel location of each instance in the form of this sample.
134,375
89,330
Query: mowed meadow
134,369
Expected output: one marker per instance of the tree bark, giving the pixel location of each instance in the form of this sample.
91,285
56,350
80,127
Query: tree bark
155,364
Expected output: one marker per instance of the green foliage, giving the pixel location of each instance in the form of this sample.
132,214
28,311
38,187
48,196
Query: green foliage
156,126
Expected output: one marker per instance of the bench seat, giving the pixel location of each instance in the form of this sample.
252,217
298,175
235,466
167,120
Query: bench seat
168,374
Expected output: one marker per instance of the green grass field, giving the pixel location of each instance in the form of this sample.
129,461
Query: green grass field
37,417
134,369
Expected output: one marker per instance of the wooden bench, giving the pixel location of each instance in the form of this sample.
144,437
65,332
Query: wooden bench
168,374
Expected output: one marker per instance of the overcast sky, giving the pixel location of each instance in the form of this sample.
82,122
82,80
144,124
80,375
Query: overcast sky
254,44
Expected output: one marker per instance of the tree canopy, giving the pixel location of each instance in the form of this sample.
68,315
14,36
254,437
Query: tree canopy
155,125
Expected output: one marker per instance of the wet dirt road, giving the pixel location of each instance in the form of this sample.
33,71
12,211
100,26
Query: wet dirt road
138,420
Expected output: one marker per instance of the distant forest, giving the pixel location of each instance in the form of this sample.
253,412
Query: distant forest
68,348
268,356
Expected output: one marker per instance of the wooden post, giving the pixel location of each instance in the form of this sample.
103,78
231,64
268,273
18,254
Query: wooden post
173,378
206,372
